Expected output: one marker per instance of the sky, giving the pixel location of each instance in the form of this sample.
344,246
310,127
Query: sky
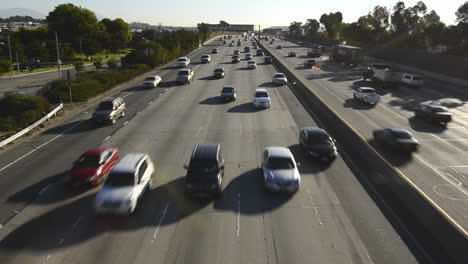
265,13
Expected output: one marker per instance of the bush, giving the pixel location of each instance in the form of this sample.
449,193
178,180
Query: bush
18,111
79,66
98,64
5,66
112,63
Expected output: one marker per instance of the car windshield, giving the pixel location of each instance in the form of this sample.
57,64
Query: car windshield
277,163
106,105
261,94
417,78
87,161
228,90
120,179
199,167
182,60
150,79
205,56
183,73
439,109
401,134
318,138
279,76
219,70
251,62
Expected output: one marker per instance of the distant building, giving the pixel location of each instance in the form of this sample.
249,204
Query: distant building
230,27
15,26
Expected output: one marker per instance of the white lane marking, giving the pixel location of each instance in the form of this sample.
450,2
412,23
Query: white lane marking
238,213
164,73
126,122
62,240
198,133
127,95
150,102
40,146
43,190
107,138
240,129
319,218
155,235
310,195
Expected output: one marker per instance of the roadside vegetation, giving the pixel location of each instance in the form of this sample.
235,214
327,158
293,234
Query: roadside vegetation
18,111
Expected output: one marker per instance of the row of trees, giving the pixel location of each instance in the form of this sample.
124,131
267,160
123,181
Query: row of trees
402,26
78,31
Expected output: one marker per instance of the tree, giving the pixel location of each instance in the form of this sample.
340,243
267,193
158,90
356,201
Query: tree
434,33
98,64
332,23
462,13
311,27
117,34
295,28
79,66
112,63
5,66
204,31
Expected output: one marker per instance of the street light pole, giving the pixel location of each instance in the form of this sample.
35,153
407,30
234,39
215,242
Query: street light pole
58,56
17,63
81,52
11,58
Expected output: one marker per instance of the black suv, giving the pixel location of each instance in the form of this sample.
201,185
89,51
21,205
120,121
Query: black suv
318,143
205,171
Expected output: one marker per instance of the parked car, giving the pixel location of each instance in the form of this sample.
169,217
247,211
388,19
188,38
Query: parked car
317,143
185,76
366,95
205,171
396,139
151,81
183,62
412,80
291,54
205,58
433,113
125,185
268,59
279,78
261,98
218,73
228,93
279,169
92,167
235,59
108,111
251,64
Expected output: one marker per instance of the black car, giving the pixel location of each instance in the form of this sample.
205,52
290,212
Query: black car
214,51
292,54
219,73
433,113
268,59
396,139
317,143
309,63
279,47
246,49
205,171
259,52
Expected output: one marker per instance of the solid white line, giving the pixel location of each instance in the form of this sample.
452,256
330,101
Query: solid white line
40,146
198,133
159,224
107,138
310,195
127,95
163,73
126,122
238,213
150,102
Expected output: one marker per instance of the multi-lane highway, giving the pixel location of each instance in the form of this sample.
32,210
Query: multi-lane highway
440,168
331,219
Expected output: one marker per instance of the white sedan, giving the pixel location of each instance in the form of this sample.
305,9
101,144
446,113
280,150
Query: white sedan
151,81
279,78
251,64
366,95
280,171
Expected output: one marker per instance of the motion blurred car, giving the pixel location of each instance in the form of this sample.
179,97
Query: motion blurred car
235,59
259,52
309,63
125,185
396,139
433,113
214,51
228,93
185,76
279,78
279,47
218,73
248,56
205,171
92,167
251,64
280,171
151,81
366,95
231,44
183,62
317,143
412,80
246,49
236,52
108,111
268,59
291,54
205,58
261,99
224,42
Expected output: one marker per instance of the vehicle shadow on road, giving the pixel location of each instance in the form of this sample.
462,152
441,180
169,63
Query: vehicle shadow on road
214,100
397,159
138,88
168,84
357,105
423,126
206,78
243,108
307,163
75,127
267,85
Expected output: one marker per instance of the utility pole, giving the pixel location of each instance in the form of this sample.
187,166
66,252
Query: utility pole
11,58
81,51
17,63
58,56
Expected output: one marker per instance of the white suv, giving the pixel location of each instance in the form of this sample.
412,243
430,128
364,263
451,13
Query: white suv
279,78
261,98
205,58
366,95
183,62
412,80
125,185
151,81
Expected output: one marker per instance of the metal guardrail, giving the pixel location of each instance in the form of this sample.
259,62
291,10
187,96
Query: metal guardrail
31,127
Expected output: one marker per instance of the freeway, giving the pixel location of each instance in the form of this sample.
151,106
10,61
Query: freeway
440,168
331,219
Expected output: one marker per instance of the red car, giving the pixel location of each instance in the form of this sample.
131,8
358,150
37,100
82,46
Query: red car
91,168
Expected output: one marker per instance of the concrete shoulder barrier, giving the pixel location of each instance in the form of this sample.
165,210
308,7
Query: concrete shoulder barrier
31,127
424,224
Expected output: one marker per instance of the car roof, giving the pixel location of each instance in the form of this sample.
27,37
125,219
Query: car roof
367,88
96,151
129,162
251,61
314,130
280,73
399,131
228,86
183,58
261,90
280,152
219,69
205,151
181,70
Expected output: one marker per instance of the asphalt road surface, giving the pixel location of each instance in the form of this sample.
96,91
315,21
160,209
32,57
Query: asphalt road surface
440,168
331,219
